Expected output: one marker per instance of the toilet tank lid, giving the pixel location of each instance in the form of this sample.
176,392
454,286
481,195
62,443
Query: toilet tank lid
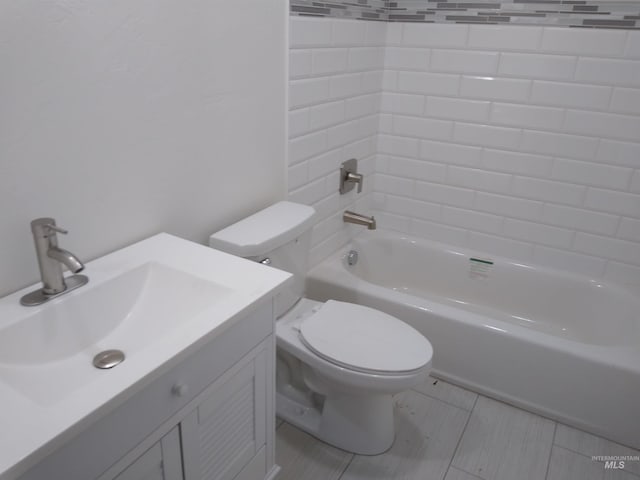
265,230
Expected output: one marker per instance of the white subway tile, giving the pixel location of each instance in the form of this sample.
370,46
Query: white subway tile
343,134
404,58
361,106
372,81
450,153
428,83
307,32
580,219
407,147
570,95
362,150
629,229
607,247
403,103
368,125
307,146
458,109
538,233
618,203
389,221
491,88
583,41
619,153
589,173
439,193
309,193
552,67
324,164
438,232
298,122
626,100
393,184
514,115
569,261
327,206
329,60
508,206
347,32
326,114
623,274
504,247
297,175
308,91
394,33
615,126
486,135
504,37
366,58
479,179
376,34
635,182
422,127
345,85
609,72
633,45
385,123
548,191
413,208
418,170
516,162
464,61
390,80
299,63
471,219
434,35
558,144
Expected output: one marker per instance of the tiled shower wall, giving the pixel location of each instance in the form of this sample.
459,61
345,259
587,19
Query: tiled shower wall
516,141
335,70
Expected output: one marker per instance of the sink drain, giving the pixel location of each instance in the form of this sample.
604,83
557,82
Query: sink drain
108,359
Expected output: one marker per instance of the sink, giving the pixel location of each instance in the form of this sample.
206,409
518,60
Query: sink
137,306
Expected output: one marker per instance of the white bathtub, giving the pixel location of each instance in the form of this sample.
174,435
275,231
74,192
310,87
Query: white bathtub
561,345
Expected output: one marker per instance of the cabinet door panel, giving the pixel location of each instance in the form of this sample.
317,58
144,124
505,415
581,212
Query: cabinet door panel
227,428
161,462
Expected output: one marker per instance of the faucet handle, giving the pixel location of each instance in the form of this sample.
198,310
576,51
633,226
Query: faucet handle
55,228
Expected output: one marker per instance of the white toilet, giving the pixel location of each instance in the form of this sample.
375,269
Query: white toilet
338,364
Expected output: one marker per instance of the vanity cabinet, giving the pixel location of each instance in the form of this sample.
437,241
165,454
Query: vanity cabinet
210,417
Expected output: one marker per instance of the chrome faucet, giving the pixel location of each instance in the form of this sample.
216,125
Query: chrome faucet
353,217
50,260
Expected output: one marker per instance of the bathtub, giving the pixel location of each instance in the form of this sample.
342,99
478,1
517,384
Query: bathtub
564,346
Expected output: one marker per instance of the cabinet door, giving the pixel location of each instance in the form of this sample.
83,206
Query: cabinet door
161,462
227,428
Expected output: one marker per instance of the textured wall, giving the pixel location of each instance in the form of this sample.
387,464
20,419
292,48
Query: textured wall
122,119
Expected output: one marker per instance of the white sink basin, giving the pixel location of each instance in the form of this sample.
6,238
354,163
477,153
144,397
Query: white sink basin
158,301
130,310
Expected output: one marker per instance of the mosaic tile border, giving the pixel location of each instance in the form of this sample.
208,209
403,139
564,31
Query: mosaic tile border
569,13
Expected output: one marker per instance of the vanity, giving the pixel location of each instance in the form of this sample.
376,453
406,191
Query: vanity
193,398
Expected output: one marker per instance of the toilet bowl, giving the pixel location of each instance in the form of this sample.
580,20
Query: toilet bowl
338,364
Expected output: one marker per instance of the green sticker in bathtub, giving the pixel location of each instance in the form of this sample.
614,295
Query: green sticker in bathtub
479,268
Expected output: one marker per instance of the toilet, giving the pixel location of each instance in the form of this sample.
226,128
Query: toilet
338,364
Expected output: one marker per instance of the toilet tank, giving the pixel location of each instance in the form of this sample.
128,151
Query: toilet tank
281,233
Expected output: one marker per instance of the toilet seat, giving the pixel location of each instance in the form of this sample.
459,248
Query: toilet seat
364,339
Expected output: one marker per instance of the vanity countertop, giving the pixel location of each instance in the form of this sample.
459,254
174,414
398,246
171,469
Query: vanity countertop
47,401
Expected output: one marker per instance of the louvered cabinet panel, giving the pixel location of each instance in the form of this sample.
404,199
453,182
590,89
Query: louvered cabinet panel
227,429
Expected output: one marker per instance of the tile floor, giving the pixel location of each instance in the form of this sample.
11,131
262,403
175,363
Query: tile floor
447,433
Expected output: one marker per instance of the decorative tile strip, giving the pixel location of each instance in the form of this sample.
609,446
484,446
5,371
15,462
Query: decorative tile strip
570,13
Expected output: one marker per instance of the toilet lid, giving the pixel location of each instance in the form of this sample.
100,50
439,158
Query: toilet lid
364,339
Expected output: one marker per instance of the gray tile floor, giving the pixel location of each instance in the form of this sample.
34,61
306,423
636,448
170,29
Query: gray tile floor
447,433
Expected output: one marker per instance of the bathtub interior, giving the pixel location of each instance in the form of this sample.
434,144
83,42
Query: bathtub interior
547,300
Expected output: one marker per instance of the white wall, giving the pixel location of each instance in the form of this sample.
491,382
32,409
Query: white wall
518,141
122,119
336,71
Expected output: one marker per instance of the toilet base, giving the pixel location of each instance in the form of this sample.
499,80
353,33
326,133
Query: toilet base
361,424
